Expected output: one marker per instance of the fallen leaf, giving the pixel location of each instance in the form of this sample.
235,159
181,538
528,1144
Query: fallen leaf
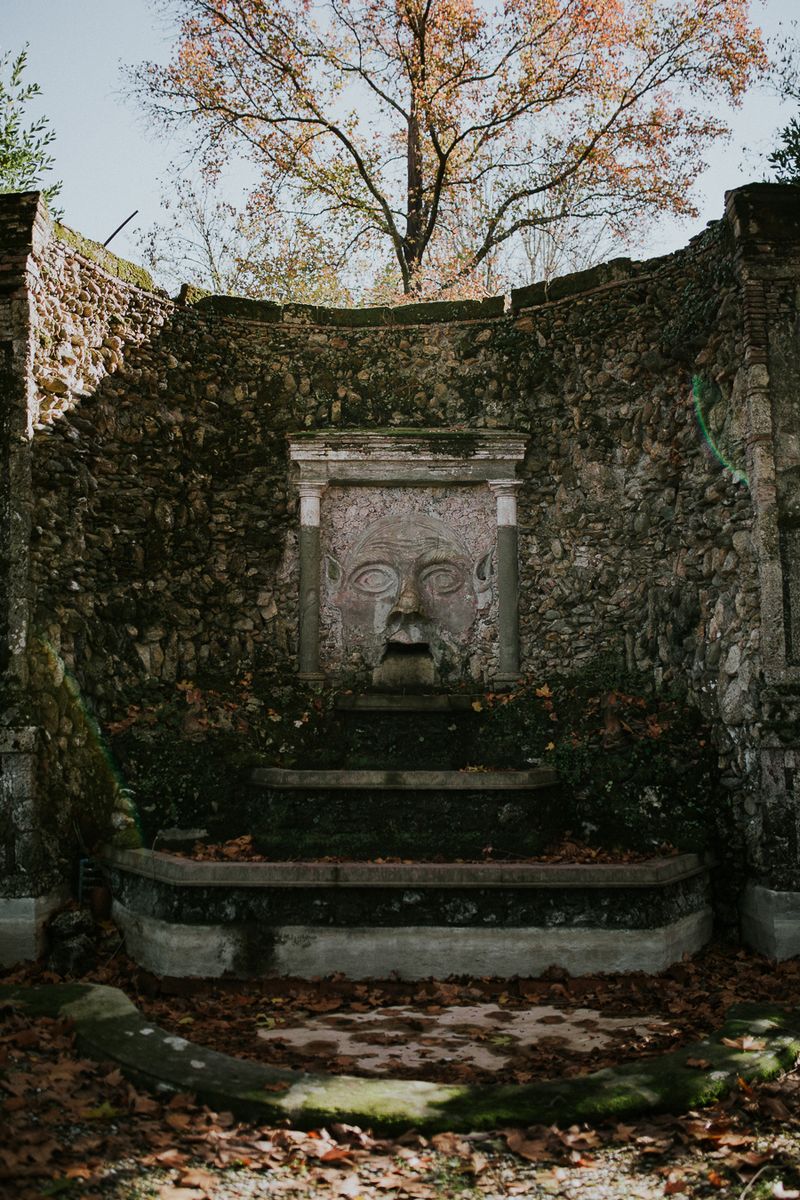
103,1112
349,1186
391,1181
532,1149
197,1177
178,1121
337,1154
746,1042
171,1158
450,1144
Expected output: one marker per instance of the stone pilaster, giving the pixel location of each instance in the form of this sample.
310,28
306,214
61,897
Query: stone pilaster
505,493
309,548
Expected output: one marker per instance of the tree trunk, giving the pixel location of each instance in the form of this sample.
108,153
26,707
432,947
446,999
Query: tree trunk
412,242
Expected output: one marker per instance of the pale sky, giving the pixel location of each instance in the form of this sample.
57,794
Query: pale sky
110,164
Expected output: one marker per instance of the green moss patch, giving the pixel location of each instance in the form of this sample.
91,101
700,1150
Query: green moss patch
45,1001
128,272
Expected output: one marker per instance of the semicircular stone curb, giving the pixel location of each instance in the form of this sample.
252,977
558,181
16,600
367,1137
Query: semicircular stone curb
109,1026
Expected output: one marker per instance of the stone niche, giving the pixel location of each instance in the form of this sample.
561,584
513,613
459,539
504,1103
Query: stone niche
408,556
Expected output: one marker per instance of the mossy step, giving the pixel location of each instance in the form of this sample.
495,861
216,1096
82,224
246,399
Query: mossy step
414,781
108,1026
447,815
162,867
392,702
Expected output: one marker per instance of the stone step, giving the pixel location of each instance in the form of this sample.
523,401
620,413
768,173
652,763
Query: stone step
390,702
415,781
367,920
405,814
178,869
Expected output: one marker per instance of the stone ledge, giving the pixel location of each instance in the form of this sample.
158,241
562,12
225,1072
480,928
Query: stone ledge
18,741
366,702
170,868
396,781
407,455
407,951
771,921
22,922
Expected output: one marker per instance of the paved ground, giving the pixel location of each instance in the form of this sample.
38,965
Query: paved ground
482,1036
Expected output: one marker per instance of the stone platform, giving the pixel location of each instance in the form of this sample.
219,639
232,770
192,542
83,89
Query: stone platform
183,917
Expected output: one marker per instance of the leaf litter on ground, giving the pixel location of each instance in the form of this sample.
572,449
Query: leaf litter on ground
78,1128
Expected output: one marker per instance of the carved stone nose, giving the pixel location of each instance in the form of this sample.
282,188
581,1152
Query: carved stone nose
408,602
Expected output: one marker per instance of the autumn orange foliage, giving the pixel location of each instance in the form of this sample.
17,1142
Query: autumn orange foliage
387,119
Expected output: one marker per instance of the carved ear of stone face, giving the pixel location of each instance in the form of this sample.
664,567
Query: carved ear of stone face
482,578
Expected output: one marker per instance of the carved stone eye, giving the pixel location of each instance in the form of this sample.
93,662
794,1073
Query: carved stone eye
442,578
373,579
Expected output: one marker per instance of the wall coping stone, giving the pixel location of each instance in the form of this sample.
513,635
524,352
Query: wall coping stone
18,741
781,214
268,312
120,268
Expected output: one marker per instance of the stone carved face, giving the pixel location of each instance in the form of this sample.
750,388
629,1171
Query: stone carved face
409,581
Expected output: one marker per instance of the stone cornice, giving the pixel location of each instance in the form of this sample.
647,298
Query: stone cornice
407,456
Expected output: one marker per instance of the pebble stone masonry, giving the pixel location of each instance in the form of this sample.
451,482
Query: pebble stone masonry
154,520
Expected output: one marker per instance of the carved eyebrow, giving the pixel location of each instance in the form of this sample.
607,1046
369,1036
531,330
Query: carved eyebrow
432,557
370,547
369,562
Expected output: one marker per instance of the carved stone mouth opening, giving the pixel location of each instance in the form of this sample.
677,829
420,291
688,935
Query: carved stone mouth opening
405,665
406,648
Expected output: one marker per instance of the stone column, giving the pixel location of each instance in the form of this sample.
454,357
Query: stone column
505,492
308,649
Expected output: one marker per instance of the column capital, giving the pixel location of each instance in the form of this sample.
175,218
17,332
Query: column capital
311,487
310,492
505,492
504,487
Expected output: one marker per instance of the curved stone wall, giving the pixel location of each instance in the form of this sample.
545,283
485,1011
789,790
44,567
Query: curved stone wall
151,469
